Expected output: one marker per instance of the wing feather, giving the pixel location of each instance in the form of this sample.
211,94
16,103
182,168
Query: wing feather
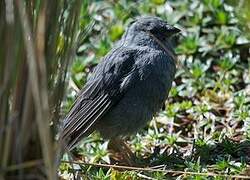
80,117
100,93
98,114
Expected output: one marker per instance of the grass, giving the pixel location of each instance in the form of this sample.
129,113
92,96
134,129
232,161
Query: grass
33,69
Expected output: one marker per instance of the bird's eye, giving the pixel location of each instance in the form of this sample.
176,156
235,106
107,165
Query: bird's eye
149,26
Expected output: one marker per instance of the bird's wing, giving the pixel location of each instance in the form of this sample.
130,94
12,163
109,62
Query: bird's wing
100,93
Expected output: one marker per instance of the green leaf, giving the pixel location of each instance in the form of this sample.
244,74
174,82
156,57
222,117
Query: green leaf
158,2
221,17
116,32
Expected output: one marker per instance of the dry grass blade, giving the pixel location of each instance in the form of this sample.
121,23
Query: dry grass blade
33,71
39,93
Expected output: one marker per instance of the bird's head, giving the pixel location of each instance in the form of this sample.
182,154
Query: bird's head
153,25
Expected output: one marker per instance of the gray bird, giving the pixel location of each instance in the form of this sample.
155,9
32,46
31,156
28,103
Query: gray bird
128,87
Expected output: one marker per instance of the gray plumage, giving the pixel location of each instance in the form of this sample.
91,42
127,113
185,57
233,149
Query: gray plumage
128,86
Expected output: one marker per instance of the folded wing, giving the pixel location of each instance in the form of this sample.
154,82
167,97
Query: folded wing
101,92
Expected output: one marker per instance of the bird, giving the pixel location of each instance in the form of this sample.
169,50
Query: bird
129,85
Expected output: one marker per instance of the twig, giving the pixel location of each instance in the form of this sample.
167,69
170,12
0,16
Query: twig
149,169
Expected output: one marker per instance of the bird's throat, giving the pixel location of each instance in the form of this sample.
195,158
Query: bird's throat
170,53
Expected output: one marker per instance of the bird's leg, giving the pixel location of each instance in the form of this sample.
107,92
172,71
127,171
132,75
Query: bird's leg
121,152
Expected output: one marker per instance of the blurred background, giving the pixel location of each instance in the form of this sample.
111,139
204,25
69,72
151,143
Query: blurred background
48,49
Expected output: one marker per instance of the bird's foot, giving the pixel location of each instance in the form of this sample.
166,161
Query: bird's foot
121,153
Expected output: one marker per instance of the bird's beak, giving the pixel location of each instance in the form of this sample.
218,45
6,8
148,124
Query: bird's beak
172,30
